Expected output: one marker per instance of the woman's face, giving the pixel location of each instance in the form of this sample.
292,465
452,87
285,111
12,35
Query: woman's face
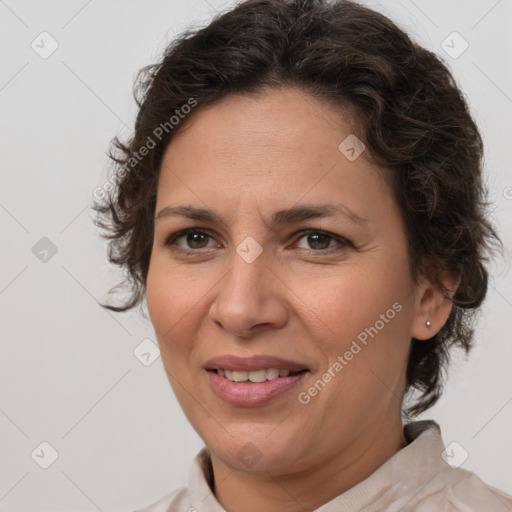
295,261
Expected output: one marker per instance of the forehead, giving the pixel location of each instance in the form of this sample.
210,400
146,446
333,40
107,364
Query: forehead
282,145
278,118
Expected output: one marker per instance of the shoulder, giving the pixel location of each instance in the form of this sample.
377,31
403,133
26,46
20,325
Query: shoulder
442,487
459,490
173,502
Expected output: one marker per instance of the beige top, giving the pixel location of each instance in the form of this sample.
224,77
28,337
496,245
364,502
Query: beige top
416,478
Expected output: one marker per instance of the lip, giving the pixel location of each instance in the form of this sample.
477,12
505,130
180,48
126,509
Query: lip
251,394
258,362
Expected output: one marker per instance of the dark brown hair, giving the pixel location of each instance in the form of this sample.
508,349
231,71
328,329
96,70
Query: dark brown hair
415,122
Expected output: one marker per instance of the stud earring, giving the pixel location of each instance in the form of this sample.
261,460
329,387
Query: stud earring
428,323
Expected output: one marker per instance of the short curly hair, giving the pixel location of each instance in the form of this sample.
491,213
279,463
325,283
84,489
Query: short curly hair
416,124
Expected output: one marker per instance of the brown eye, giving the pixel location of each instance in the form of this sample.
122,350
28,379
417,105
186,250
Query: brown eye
196,240
189,240
320,241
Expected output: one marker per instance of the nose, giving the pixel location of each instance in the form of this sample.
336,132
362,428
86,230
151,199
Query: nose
249,298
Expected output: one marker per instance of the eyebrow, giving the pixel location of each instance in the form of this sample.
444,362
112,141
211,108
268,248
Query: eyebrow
288,216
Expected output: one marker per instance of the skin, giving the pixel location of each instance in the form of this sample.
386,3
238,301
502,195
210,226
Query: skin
245,158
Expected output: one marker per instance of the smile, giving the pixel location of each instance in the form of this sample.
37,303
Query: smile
253,376
253,388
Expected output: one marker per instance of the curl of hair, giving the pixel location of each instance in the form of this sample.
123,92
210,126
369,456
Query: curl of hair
416,125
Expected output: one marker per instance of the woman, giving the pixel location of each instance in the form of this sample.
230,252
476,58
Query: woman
302,207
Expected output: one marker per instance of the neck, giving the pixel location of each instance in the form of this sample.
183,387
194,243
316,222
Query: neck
306,491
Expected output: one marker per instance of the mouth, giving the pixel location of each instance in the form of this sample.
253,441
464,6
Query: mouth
255,376
252,381
256,363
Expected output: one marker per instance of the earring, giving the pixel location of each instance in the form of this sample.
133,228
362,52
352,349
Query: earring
428,323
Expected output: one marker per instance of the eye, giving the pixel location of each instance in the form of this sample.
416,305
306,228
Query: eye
322,241
189,240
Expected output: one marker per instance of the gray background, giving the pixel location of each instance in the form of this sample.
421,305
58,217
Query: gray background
69,376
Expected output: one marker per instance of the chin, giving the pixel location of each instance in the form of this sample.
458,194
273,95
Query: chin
254,447
256,457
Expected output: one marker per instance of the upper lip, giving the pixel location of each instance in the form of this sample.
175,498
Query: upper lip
259,362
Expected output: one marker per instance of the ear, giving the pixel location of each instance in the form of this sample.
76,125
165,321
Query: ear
431,305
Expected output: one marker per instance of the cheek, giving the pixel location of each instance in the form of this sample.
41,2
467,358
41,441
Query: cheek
170,301
347,301
367,304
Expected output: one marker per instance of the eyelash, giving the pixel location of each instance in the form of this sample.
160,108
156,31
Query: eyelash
170,241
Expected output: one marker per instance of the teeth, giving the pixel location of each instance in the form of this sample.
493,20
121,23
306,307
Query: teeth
258,376
253,376
240,376
272,374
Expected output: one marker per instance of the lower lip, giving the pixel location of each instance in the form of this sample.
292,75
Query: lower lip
252,394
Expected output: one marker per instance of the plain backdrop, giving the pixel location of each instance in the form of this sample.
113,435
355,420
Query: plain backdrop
69,372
